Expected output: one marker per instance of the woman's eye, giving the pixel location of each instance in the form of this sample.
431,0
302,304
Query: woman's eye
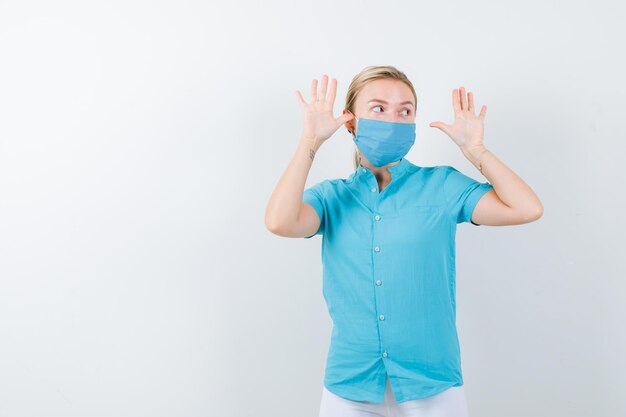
377,107
407,112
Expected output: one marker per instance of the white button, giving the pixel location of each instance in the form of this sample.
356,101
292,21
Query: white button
377,217
382,317
377,249
373,189
384,354
378,282
362,169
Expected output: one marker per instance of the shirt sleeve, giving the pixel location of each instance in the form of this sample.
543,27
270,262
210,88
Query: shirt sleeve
462,194
314,195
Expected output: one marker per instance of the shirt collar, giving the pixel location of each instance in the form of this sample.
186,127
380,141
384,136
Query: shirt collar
396,170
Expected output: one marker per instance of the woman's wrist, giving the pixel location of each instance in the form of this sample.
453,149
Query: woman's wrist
311,145
475,155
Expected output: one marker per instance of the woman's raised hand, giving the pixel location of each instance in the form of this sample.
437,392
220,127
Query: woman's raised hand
467,129
319,122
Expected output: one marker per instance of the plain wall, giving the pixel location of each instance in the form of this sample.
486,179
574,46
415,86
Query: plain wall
140,142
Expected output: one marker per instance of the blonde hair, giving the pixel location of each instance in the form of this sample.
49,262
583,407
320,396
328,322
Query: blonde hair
371,73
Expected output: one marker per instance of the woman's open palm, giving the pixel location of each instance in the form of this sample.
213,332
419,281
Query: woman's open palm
467,129
319,122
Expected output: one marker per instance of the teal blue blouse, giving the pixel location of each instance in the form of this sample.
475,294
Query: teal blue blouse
388,261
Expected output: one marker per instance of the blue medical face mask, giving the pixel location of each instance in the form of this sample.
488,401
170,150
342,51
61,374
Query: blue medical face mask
384,142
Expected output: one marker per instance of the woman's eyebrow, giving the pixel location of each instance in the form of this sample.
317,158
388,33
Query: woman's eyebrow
385,102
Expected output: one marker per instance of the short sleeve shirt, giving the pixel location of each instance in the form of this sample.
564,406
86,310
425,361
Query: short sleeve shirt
388,260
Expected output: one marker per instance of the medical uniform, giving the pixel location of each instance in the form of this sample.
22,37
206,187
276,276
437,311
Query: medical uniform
388,261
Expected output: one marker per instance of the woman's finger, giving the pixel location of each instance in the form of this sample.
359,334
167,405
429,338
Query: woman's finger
470,104
300,99
463,99
483,112
314,90
444,127
322,95
456,103
346,117
332,92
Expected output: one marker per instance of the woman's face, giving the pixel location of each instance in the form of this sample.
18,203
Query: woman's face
387,99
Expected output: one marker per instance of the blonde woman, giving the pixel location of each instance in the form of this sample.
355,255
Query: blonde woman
388,243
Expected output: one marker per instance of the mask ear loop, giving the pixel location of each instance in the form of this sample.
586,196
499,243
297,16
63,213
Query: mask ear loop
358,152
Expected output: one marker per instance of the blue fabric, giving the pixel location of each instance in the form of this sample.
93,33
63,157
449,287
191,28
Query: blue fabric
383,142
389,275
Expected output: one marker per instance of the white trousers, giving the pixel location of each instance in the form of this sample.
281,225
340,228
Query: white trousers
448,403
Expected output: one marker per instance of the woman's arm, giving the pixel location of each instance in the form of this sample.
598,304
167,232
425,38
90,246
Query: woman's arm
286,214
511,201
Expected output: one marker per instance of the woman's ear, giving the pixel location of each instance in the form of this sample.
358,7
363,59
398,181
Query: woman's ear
350,124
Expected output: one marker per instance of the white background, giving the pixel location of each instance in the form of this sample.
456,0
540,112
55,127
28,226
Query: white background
139,145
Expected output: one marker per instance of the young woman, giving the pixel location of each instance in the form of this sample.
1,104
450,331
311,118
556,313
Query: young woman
388,243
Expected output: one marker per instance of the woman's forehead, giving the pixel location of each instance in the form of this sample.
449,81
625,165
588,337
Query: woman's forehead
386,90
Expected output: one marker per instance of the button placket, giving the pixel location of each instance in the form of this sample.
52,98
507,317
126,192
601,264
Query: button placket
380,304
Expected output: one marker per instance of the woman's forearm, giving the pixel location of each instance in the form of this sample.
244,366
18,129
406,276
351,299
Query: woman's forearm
283,208
284,204
509,186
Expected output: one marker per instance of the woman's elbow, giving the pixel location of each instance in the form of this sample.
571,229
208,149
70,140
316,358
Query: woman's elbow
272,225
535,214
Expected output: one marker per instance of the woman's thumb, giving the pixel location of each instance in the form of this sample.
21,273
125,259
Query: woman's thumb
440,125
344,118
